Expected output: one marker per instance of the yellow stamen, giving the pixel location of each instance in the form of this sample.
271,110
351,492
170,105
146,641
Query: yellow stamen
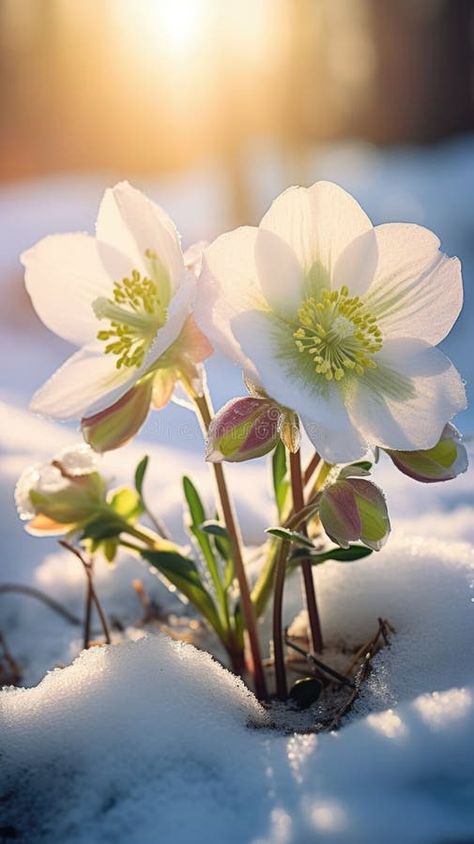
339,333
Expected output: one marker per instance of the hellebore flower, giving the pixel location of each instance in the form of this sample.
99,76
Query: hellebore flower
338,320
354,509
445,461
126,298
61,495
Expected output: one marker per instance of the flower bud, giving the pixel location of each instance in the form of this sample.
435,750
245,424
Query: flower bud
245,428
60,495
354,509
114,426
446,460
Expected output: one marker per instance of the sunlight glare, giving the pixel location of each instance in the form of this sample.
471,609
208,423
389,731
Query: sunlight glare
169,25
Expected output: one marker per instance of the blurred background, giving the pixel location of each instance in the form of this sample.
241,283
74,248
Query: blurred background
213,107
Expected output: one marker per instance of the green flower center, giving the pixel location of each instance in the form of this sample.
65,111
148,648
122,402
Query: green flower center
135,312
339,333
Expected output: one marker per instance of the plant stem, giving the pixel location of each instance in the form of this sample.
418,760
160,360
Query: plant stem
31,592
278,650
88,570
204,409
298,504
311,467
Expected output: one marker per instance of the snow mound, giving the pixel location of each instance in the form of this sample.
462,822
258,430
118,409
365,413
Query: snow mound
152,741
144,727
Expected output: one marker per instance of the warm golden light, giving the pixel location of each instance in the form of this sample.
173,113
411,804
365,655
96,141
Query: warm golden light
169,26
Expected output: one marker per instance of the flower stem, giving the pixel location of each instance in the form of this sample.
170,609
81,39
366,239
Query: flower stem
298,504
204,410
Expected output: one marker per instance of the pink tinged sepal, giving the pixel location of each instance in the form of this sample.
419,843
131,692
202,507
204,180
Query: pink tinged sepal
354,509
243,429
182,362
117,424
445,461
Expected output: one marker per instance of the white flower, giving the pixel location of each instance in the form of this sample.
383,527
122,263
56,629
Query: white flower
338,320
62,492
125,297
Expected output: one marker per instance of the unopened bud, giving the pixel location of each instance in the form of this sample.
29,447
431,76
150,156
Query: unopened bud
245,428
354,509
443,462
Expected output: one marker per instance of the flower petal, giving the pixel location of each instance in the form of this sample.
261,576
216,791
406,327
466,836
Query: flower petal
417,291
132,223
228,286
64,275
406,402
178,312
280,371
336,446
338,220
86,383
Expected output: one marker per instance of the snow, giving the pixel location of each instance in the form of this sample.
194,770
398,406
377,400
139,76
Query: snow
149,740
153,741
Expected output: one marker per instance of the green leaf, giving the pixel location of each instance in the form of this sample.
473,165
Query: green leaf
196,508
215,529
203,538
279,473
290,536
140,473
363,464
184,575
343,555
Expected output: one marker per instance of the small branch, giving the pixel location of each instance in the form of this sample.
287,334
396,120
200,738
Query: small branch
326,669
31,592
298,504
367,653
88,570
88,613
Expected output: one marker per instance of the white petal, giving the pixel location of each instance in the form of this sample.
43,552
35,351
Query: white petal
284,249
406,402
64,274
178,312
338,220
132,223
317,224
281,371
336,446
86,383
417,291
228,286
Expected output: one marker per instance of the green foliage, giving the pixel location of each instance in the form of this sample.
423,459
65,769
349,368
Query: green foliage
290,536
343,555
140,472
213,540
184,575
